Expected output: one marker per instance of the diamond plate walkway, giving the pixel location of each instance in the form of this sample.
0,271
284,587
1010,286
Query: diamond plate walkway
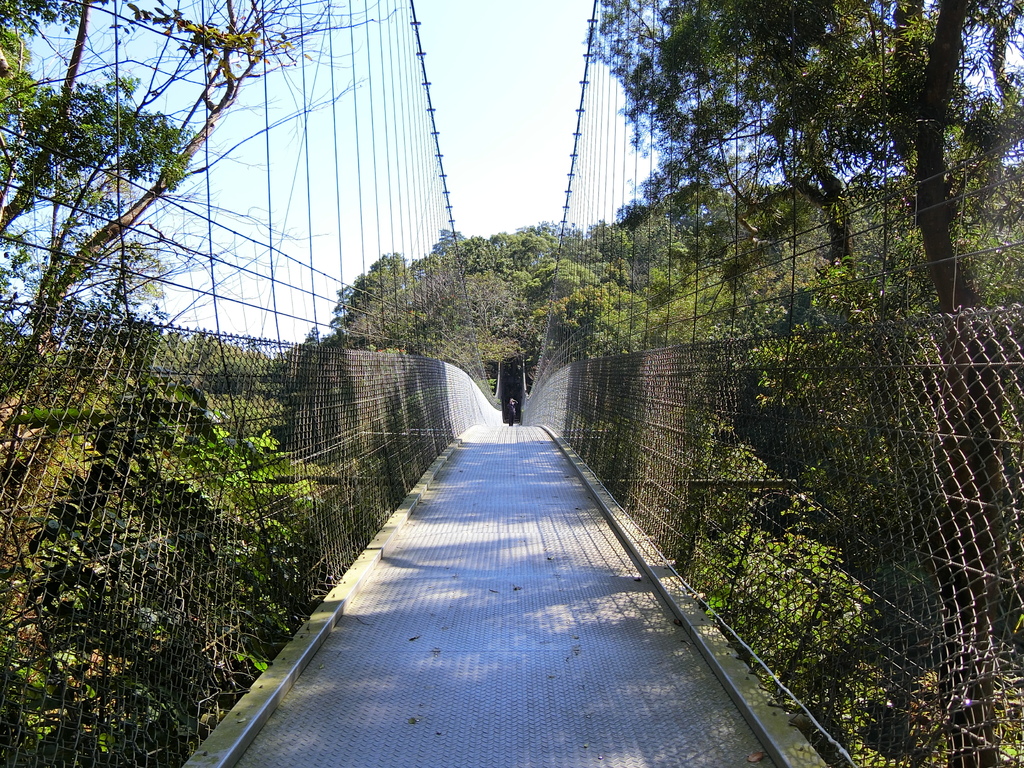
506,628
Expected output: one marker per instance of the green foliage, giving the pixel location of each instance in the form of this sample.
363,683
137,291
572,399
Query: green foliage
111,587
27,16
95,138
202,37
488,294
812,110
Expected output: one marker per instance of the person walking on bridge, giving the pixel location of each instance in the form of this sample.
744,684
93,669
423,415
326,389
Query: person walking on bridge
512,411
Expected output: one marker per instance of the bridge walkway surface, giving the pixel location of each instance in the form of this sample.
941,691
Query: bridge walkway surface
506,626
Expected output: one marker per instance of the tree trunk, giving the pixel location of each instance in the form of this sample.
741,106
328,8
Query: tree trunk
934,207
827,195
966,540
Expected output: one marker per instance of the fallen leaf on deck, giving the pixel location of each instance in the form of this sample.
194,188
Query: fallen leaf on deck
414,638
755,757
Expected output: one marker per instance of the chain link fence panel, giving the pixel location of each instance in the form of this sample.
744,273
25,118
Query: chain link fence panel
848,501
174,503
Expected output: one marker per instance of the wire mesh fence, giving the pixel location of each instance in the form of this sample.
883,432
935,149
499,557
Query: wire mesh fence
175,501
742,339
835,501
790,348
174,505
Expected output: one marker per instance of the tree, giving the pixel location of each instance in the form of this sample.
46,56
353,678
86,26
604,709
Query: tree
829,102
469,295
819,100
93,138
374,312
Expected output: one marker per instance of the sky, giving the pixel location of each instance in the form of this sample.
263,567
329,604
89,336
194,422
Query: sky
505,80
286,215
505,84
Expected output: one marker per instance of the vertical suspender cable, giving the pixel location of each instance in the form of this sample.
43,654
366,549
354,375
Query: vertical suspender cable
398,117
476,363
122,277
270,197
547,362
393,190
305,150
375,174
209,196
358,149
337,155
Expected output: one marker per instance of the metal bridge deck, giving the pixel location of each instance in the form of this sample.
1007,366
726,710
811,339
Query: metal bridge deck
506,628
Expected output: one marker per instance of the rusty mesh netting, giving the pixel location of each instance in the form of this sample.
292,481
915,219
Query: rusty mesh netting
785,332
174,504
849,502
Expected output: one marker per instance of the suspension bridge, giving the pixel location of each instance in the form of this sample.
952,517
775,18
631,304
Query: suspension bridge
720,466
505,623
